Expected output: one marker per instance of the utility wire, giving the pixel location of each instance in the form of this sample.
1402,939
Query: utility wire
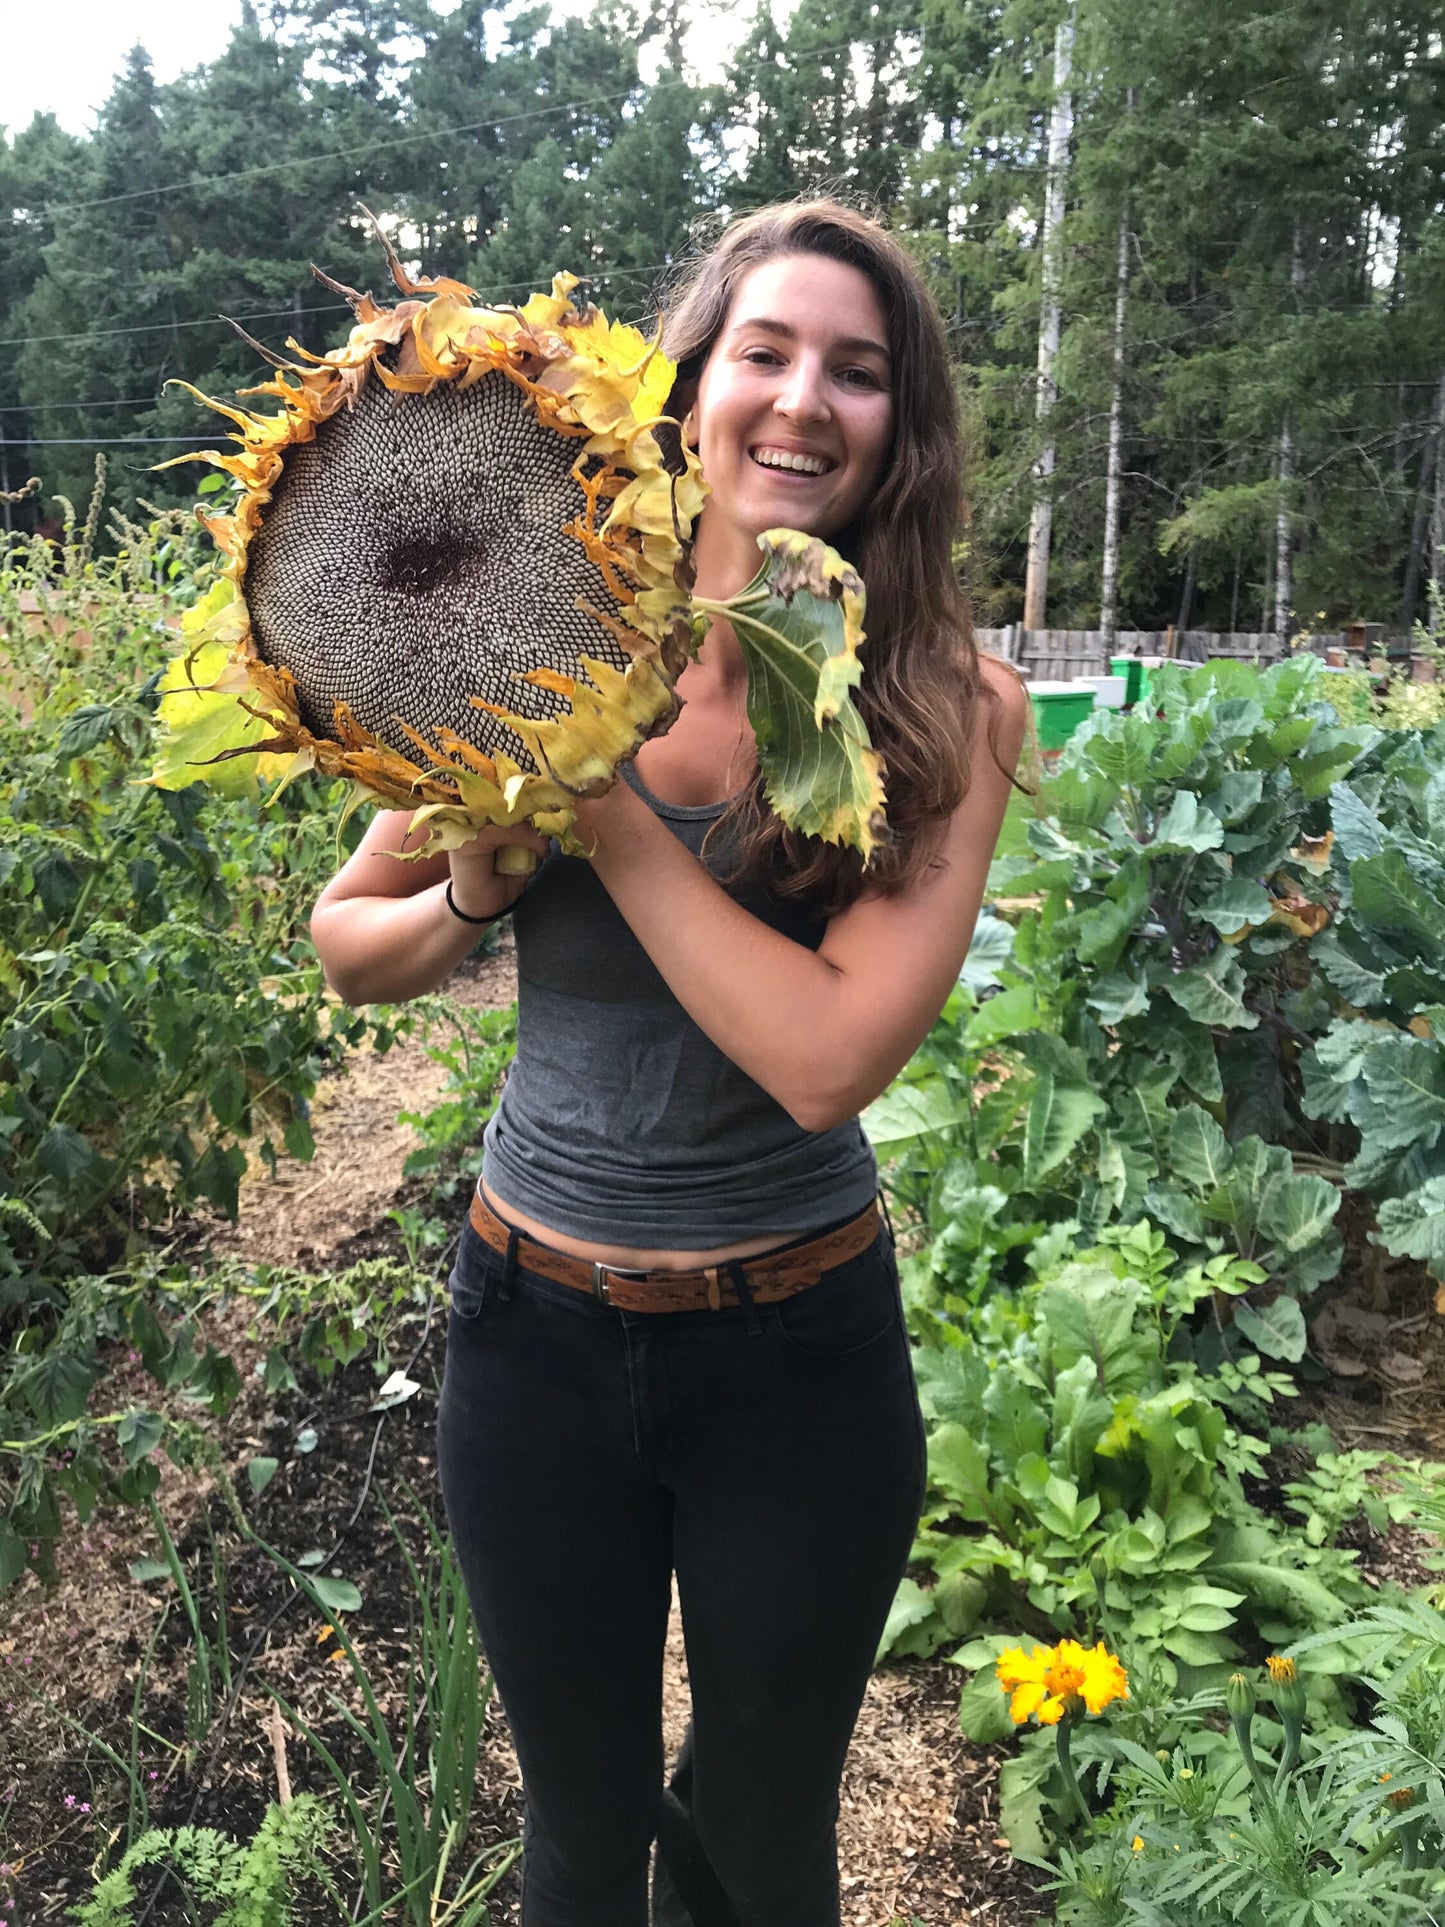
98,441
319,307
411,140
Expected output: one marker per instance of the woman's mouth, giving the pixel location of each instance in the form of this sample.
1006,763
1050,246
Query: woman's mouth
785,461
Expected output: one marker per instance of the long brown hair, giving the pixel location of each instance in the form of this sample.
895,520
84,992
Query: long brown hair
921,679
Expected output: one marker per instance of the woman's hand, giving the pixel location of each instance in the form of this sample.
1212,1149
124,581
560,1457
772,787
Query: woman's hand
821,1031
477,889
383,928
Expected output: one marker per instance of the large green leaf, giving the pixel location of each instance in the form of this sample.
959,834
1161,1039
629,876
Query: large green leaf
1414,1226
958,1467
1088,1313
1295,1212
1006,1015
799,626
1278,1330
908,1113
1059,1114
1212,993
1283,1588
1016,1426
1334,1069
1235,795
990,949
1105,929
1358,831
1188,735
1185,826
1358,980
1198,1149
1388,893
1240,901
911,1607
1117,995
1123,749
1404,1080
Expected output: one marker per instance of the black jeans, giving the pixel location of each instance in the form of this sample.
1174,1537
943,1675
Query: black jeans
775,1460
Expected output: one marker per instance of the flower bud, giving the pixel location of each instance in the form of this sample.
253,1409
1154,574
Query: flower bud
1289,1703
1240,1697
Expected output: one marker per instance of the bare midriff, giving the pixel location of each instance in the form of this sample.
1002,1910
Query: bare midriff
625,1257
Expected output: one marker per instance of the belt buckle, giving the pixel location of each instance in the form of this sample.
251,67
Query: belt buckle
599,1280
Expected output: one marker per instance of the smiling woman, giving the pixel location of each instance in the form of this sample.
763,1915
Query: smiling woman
676,1343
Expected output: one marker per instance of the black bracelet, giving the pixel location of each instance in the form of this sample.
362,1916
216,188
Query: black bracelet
505,911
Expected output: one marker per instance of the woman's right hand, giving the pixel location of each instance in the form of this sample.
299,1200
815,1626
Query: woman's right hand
383,928
477,888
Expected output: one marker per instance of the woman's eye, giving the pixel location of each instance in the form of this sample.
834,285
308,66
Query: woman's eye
761,357
861,378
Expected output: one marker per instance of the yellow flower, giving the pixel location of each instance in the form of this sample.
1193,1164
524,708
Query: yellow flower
1137,1843
1282,1672
1041,1683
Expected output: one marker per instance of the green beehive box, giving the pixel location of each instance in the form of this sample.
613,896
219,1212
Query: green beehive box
1059,708
1131,667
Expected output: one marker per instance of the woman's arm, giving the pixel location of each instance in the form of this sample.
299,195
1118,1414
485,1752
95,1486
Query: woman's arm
823,1032
382,928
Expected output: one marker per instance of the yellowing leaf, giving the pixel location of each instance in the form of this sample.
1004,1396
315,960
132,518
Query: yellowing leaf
799,624
202,723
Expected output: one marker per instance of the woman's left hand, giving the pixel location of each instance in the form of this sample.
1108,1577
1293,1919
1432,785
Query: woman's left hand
821,1031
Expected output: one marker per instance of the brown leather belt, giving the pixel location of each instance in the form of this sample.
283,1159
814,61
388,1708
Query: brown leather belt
769,1276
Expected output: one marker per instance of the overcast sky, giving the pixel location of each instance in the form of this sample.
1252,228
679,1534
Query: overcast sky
61,56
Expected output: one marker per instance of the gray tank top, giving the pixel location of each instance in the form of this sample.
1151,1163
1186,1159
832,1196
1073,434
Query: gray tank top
621,1122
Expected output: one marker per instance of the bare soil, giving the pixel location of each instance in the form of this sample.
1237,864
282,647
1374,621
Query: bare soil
918,1835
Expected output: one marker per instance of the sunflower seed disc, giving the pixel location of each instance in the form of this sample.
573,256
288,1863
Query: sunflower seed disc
412,556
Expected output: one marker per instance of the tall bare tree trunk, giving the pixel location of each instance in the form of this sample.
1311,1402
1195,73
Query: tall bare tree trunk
1041,521
1109,585
1283,580
1424,498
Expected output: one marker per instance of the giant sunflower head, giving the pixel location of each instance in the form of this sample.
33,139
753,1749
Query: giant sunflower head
457,566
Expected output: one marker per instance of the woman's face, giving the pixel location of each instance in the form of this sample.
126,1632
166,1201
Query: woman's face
794,412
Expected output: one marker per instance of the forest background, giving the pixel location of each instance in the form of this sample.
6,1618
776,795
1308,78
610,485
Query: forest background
1250,267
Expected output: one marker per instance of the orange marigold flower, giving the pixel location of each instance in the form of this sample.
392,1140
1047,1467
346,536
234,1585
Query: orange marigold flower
1042,1684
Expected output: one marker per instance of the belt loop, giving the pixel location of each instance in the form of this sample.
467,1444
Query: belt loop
887,1219
509,1265
744,1291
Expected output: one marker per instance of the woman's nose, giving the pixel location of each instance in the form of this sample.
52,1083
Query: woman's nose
802,397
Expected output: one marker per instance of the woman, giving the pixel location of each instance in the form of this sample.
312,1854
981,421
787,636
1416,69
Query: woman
676,1341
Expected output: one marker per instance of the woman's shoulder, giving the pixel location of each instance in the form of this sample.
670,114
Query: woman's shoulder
1005,683
1001,719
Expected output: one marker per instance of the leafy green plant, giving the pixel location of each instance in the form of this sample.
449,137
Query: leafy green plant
476,1055
1130,1045
1375,1075
1282,1816
427,1775
1076,1440
234,1884
161,1010
159,1002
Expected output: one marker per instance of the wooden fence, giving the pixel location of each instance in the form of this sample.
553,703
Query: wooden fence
1063,655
